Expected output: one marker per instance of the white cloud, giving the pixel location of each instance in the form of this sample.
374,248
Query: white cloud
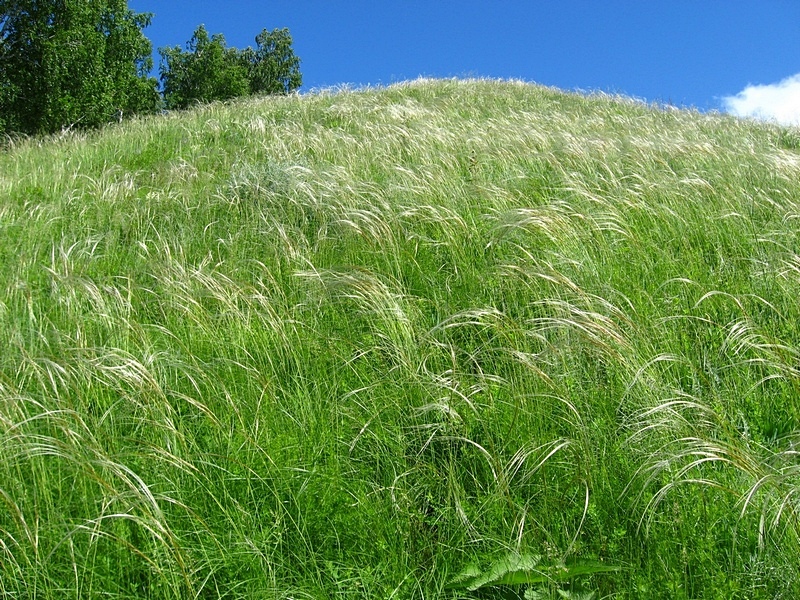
778,102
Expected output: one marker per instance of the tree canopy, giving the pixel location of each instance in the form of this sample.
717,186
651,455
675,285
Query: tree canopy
85,63
67,63
273,66
208,70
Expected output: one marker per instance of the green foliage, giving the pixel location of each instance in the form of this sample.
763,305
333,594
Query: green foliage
208,70
517,570
72,63
273,66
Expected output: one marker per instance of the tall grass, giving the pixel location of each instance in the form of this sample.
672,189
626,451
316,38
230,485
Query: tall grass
347,344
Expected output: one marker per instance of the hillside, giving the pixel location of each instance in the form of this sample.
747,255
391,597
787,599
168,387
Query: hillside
445,339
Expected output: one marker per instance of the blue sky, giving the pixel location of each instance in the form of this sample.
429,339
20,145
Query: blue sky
732,55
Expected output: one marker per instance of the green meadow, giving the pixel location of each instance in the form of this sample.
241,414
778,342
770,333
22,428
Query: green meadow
443,339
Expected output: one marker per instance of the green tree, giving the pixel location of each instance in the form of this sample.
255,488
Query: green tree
273,66
206,71
67,63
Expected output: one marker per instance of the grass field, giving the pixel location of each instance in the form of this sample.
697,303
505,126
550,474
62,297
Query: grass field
444,339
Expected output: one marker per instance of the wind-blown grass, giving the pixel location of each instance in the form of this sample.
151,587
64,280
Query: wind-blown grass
352,344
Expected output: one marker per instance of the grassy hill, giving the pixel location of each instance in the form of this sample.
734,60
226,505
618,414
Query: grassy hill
446,339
